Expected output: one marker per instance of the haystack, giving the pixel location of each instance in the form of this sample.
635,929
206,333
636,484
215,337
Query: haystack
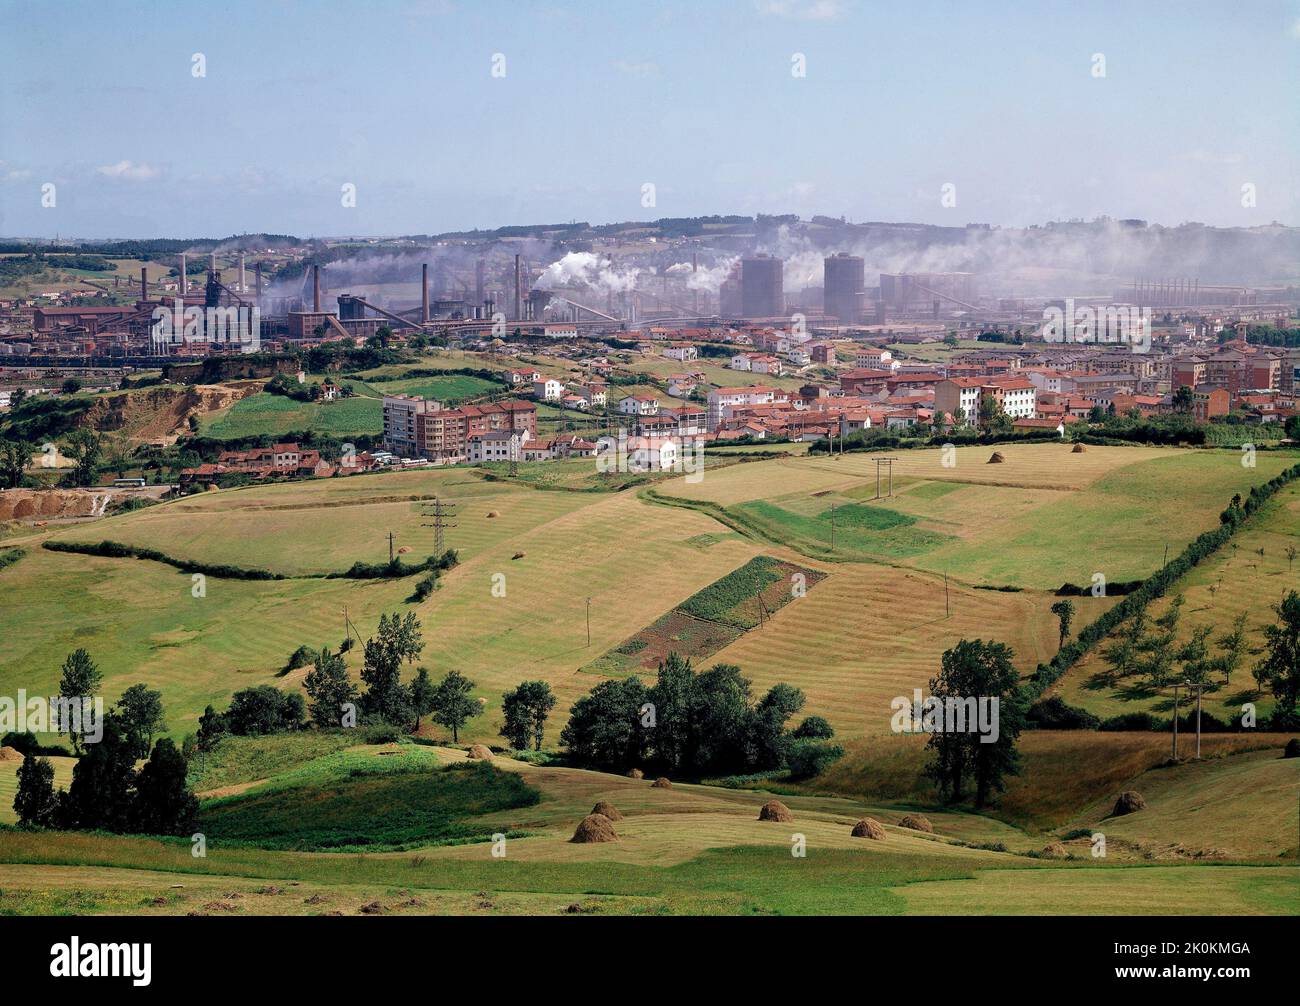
404,549
869,828
635,773
1078,449
1055,851
1292,749
661,783
917,822
607,809
594,828
492,513
996,458
518,555
480,751
10,754
1129,801
775,810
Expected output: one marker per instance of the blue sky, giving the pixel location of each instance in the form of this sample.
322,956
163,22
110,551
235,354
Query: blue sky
698,98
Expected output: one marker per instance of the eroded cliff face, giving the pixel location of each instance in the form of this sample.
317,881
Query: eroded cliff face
42,504
161,413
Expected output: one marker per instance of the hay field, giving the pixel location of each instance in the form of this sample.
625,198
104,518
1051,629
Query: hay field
9,783
1235,579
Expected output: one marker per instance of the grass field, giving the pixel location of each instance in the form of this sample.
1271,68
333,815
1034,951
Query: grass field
265,414
1248,575
690,849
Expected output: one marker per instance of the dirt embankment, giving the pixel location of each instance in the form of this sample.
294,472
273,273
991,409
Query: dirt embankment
41,504
153,414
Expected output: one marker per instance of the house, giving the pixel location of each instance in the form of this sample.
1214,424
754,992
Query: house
741,361
573,401
496,445
329,391
548,389
798,356
595,392
872,357
683,351
822,353
646,454
681,385
722,400
1207,403
863,382
761,363
522,375
639,405
537,450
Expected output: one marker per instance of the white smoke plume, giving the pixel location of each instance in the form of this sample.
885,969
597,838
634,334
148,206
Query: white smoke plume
586,269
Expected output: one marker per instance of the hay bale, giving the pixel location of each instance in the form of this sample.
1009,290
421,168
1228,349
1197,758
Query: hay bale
775,810
917,822
211,487
607,809
1079,449
518,555
1054,850
869,828
1129,802
635,773
594,828
661,783
996,458
492,513
402,550
10,754
480,751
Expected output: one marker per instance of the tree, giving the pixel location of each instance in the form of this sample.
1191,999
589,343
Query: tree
1194,655
604,727
1182,401
1232,647
212,727
526,708
674,699
140,711
14,458
163,803
85,446
99,797
1159,650
35,802
423,696
396,641
1291,554
1279,669
329,688
983,671
1064,611
768,737
452,704
80,679
263,710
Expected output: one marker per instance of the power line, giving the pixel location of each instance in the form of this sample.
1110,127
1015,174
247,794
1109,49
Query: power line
439,524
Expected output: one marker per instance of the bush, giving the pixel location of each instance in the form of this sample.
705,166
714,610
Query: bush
813,728
1132,721
300,657
1056,714
808,758
264,710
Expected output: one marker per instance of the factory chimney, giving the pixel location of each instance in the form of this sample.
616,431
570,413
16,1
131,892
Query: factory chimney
479,267
424,294
184,282
243,283
144,283
518,279
315,288
257,280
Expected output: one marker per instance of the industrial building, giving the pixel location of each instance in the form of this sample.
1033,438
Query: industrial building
762,286
844,287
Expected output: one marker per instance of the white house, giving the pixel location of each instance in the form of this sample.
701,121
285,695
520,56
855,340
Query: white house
723,399
496,445
651,453
639,405
740,362
548,389
682,351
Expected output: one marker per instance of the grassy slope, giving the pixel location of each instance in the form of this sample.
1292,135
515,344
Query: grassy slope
690,849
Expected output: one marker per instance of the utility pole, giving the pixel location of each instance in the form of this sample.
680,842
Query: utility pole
832,527
589,621
1175,721
947,611
390,546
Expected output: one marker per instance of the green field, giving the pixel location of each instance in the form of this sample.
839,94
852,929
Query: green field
265,414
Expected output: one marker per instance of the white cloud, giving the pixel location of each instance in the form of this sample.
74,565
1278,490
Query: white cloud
802,10
129,170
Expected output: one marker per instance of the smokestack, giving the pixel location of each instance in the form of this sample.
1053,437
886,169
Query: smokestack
212,263
257,279
184,282
315,288
479,268
243,283
518,279
424,294
144,283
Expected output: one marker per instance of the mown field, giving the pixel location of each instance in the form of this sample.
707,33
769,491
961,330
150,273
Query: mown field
1249,575
265,414
686,850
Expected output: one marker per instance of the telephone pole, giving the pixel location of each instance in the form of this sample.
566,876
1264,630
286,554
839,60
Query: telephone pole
832,527
390,546
1175,721
589,621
